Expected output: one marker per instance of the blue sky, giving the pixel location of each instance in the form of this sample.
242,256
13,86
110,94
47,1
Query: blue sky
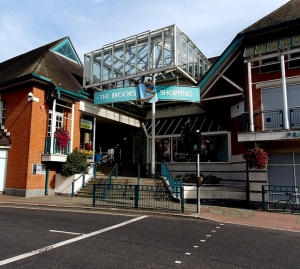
90,24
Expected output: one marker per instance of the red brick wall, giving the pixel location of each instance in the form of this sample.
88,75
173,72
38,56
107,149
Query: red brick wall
38,132
18,123
27,122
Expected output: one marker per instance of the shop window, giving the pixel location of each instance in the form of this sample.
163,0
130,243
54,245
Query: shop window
214,148
269,65
294,60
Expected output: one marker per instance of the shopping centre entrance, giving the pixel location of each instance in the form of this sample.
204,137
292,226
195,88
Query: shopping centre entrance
120,72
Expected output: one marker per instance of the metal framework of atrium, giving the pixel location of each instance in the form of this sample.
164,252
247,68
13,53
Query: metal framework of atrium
166,53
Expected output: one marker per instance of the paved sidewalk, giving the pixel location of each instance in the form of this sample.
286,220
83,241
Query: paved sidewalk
256,218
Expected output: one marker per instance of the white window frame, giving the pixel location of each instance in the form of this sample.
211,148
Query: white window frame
58,123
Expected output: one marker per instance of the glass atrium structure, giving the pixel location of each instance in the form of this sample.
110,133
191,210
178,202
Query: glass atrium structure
166,51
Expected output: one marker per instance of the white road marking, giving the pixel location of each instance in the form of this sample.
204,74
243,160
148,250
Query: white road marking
64,232
213,231
178,262
221,224
202,240
187,253
217,227
208,235
196,246
63,243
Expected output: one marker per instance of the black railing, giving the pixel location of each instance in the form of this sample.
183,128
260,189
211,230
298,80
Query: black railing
137,196
272,194
268,120
265,120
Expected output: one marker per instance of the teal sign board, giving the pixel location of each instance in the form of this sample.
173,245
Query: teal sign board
116,95
178,93
164,93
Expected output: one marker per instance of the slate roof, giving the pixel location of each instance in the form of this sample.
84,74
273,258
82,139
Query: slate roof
63,72
288,12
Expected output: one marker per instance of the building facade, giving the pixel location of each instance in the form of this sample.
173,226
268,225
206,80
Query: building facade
39,93
258,77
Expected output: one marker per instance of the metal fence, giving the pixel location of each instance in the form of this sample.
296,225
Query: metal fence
273,194
137,196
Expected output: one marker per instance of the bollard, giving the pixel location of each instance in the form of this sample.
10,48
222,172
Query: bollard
94,194
136,196
73,183
263,197
182,199
94,169
83,181
47,182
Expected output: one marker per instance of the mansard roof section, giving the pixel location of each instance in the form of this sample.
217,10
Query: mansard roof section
61,71
284,14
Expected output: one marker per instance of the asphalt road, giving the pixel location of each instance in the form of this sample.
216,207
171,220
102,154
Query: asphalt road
34,238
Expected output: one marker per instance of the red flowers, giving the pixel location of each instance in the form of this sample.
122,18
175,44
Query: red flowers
257,158
62,137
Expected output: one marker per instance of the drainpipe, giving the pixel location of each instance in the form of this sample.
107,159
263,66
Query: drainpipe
286,122
94,138
251,122
72,129
153,136
53,124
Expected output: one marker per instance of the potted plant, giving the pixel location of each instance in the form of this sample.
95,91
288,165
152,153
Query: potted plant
257,158
62,137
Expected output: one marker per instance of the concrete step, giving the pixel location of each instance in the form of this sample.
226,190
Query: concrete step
88,190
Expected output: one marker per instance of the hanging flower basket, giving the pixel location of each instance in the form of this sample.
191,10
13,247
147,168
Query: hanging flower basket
257,158
62,137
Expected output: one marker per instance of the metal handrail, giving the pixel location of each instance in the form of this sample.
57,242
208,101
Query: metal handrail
272,119
173,185
110,175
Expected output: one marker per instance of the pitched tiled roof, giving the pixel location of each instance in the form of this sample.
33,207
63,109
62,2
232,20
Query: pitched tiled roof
63,72
288,12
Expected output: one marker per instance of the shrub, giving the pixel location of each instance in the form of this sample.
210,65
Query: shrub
210,179
192,178
76,164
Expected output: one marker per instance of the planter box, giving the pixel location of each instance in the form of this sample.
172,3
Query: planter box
216,192
63,185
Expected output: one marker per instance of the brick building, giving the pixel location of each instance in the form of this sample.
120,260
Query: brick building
39,92
255,82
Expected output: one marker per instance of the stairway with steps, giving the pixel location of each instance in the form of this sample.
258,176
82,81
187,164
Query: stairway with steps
127,177
88,190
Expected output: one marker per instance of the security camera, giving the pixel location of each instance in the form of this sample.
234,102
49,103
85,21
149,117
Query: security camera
32,98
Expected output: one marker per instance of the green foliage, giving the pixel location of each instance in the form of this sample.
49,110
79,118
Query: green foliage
76,164
209,179
192,178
